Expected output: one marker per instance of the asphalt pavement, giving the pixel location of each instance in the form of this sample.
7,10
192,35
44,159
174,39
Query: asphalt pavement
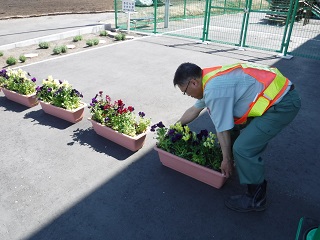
62,181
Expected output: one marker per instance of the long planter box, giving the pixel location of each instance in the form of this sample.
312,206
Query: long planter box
131,143
72,116
26,100
196,171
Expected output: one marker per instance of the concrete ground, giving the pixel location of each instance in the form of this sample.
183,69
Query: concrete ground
62,181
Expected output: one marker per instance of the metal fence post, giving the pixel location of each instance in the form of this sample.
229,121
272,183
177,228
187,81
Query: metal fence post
244,26
155,16
206,21
184,8
283,43
287,36
115,14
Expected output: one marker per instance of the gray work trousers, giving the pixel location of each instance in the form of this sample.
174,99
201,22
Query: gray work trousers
254,138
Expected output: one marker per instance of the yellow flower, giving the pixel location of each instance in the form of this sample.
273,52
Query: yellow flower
65,84
16,73
186,128
186,137
56,82
177,127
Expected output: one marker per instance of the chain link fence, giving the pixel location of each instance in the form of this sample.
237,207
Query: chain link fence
288,27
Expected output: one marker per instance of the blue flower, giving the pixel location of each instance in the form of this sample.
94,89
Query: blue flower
205,133
153,128
3,73
171,132
202,133
160,125
179,136
176,137
141,114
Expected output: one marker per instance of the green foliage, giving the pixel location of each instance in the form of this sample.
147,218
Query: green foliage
59,93
60,49
64,49
17,81
1,53
44,45
95,41
89,42
57,50
103,33
201,148
120,36
117,117
11,61
22,58
77,38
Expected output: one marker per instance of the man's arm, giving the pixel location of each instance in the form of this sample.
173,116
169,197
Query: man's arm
225,143
189,115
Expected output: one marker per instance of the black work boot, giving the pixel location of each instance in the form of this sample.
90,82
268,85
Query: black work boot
255,199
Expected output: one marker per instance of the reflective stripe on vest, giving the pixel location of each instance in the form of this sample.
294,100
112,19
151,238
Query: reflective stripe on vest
273,81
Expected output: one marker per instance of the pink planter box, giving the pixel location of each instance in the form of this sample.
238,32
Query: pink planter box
26,100
72,116
196,171
131,143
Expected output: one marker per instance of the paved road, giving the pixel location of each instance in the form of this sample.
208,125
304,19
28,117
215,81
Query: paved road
62,181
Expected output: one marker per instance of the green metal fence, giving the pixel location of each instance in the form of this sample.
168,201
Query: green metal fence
289,27
257,26
185,18
304,39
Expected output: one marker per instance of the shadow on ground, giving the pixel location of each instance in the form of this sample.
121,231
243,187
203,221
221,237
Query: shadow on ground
11,106
42,118
88,137
149,201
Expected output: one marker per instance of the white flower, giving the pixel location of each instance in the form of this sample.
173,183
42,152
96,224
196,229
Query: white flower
65,84
16,73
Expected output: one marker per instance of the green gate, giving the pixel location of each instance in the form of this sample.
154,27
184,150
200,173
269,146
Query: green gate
224,21
288,27
248,23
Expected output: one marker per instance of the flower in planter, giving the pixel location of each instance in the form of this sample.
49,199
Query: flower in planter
3,77
201,148
118,117
59,93
17,81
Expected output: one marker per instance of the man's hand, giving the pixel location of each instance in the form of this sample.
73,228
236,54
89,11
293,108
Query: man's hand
226,167
189,115
225,143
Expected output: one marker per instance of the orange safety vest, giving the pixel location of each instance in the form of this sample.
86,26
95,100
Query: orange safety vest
273,81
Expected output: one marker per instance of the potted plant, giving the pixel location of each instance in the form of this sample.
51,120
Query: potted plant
18,87
60,99
197,155
118,123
